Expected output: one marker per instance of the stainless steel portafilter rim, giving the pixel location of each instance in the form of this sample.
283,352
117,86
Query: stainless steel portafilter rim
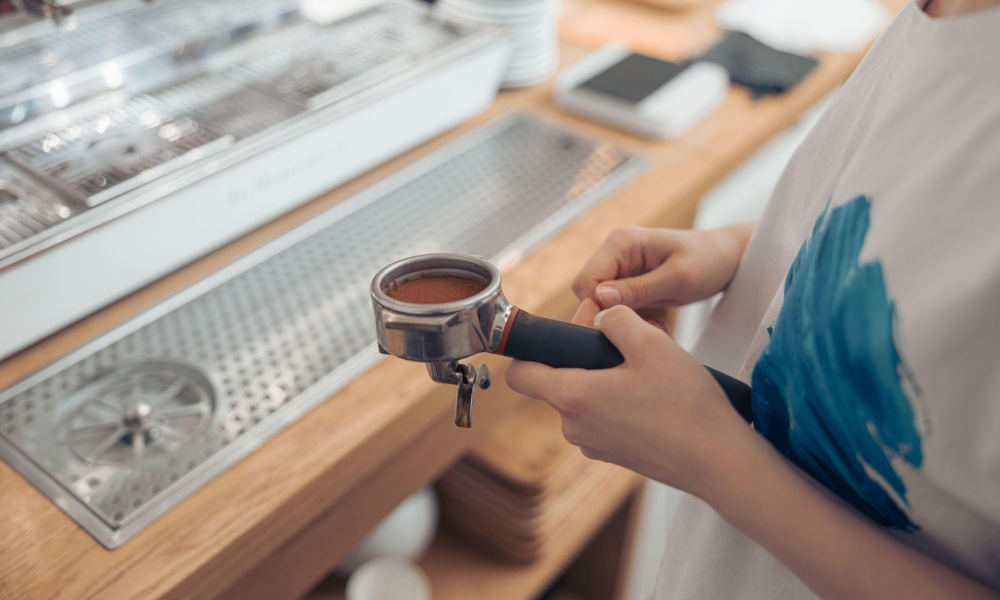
443,332
436,265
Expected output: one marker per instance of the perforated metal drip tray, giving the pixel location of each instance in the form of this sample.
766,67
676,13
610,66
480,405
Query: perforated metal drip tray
126,427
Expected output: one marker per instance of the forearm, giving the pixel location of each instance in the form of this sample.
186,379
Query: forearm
835,551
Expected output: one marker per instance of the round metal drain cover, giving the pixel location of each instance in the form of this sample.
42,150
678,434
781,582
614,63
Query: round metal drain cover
125,150
137,410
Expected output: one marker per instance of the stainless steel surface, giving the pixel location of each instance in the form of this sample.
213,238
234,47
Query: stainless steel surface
27,208
172,84
472,379
468,380
121,44
328,63
45,68
196,26
129,425
135,411
124,147
442,334
57,12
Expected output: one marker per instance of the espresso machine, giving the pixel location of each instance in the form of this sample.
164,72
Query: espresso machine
136,136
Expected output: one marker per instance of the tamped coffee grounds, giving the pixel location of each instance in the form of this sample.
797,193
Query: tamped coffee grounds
435,290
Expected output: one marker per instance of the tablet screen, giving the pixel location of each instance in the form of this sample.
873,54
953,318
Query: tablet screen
633,78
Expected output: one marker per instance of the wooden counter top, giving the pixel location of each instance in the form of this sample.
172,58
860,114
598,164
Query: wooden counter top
351,459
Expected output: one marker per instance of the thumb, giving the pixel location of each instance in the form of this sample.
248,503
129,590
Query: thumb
625,329
660,285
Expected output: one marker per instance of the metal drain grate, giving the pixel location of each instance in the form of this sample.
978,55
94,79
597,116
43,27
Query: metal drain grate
269,84
43,68
224,107
193,22
131,424
315,65
124,147
26,209
99,158
41,53
136,411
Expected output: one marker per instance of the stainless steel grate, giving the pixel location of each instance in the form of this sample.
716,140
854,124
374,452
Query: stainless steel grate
121,42
309,61
43,69
134,422
316,65
196,25
52,53
267,84
26,208
224,107
100,157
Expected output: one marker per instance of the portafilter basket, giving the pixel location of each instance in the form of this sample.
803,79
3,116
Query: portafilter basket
441,335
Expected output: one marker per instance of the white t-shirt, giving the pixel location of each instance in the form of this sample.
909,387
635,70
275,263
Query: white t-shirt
866,314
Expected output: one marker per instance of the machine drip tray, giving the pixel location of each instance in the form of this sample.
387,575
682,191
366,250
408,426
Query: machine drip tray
126,427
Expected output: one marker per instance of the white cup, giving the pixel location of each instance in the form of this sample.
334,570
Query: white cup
407,531
389,578
534,33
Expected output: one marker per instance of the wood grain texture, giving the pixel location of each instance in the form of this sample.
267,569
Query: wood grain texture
520,488
306,558
601,572
459,570
647,28
216,537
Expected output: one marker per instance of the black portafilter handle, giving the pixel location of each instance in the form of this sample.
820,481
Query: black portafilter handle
565,345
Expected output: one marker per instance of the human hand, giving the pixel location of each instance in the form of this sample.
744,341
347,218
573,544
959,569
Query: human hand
660,413
586,312
641,267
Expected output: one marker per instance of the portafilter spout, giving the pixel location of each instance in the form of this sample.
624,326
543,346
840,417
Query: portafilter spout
442,332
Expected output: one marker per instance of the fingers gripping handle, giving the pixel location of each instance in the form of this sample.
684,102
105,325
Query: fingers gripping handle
564,345
558,344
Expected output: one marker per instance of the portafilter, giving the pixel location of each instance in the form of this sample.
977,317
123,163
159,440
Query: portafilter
442,334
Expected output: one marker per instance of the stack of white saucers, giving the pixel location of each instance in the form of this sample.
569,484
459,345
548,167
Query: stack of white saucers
534,33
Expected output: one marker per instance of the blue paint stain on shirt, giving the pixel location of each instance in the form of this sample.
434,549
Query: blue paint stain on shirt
827,390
